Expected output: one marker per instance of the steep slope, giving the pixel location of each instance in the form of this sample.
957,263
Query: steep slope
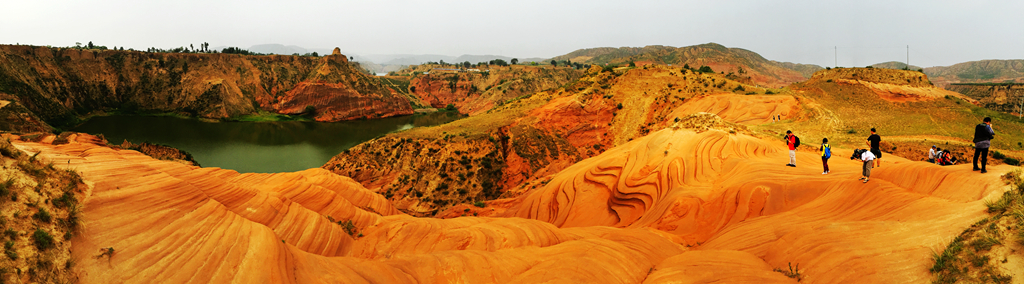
512,148
60,85
39,214
1004,97
743,63
15,118
476,92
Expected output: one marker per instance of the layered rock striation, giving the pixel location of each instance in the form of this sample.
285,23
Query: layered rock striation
61,84
700,200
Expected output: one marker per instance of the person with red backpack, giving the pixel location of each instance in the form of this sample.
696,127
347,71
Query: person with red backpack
792,141
826,153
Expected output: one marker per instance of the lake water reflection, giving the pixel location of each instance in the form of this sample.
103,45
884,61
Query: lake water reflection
255,147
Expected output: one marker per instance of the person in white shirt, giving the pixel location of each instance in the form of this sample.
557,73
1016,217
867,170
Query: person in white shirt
931,154
867,158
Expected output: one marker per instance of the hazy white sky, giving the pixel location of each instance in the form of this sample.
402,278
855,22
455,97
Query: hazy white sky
939,33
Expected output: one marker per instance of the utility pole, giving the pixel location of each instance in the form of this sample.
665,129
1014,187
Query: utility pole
836,49
908,57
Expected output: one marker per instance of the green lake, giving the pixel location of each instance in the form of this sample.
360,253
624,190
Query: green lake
255,147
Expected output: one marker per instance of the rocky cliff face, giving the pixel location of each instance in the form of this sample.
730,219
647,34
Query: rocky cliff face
514,147
476,92
1001,97
16,118
62,84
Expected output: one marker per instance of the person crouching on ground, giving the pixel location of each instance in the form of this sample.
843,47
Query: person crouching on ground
867,158
826,153
931,154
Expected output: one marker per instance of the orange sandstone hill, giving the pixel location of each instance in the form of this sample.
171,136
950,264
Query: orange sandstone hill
478,91
628,175
513,147
61,84
700,201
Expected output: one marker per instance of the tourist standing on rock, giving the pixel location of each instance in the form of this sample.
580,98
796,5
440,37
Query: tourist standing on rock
826,153
931,154
873,141
867,157
792,141
983,135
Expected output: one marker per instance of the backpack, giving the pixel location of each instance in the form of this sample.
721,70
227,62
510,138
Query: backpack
857,153
828,152
797,144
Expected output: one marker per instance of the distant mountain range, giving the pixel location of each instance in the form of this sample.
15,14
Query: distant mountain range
742,62
984,71
716,56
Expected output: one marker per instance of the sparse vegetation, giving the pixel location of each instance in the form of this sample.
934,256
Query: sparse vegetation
42,239
9,250
349,227
791,272
969,257
42,215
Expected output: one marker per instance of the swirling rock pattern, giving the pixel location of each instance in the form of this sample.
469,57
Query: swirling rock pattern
676,206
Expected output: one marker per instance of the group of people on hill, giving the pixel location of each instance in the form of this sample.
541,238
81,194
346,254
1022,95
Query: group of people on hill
942,157
872,157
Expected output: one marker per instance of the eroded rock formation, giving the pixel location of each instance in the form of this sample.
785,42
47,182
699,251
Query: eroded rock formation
516,146
61,84
700,203
478,91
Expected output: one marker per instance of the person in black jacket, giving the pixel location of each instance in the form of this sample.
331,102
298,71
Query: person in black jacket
983,135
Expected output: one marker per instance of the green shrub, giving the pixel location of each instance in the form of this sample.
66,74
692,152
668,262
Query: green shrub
11,234
985,243
480,204
998,155
8,151
43,216
1011,161
5,187
349,227
43,240
65,200
9,250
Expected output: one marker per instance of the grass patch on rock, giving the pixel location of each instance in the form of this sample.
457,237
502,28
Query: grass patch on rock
990,249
